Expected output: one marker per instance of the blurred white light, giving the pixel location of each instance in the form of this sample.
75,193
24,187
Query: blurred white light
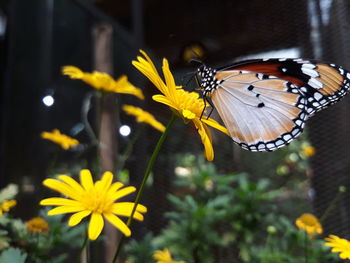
48,100
124,130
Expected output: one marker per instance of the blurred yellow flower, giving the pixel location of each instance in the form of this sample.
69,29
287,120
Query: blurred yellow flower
95,199
193,51
143,116
37,225
6,205
63,140
309,223
103,81
186,105
308,151
339,245
164,256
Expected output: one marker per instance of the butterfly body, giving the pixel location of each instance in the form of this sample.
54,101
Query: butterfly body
265,103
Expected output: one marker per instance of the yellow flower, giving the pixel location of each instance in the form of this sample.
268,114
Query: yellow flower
143,116
339,245
309,223
37,225
95,199
63,140
192,51
164,256
185,104
103,81
6,205
308,151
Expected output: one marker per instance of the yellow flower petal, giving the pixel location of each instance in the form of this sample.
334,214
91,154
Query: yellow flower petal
114,187
65,210
71,182
148,69
164,256
61,187
143,116
106,181
86,179
95,226
118,224
123,192
122,85
164,100
59,201
215,124
77,217
188,114
206,139
73,72
63,140
339,245
103,82
169,79
125,209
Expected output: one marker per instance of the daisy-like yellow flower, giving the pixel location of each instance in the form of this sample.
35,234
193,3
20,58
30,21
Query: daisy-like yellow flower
192,51
143,116
308,151
37,225
63,140
164,256
309,223
6,206
103,82
185,104
97,200
339,245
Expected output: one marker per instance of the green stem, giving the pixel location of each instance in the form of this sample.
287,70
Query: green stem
84,116
144,180
125,155
306,245
331,206
83,247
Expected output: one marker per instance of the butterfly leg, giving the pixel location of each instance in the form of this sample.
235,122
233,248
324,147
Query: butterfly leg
206,100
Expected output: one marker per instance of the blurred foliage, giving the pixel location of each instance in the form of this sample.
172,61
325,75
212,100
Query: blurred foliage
8,193
285,243
12,255
141,252
19,244
234,214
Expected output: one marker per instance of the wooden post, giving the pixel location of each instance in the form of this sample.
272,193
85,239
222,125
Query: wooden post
103,61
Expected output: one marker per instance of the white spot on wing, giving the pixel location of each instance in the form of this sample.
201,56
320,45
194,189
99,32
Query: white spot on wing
287,137
310,66
315,83
310,72
318,96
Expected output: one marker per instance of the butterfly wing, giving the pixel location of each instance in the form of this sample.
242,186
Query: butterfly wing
322,84
261,112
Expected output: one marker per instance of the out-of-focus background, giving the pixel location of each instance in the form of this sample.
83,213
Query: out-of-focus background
38,37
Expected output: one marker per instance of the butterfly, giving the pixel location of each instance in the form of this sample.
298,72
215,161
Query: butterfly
264,103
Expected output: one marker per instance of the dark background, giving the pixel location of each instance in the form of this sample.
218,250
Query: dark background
42,36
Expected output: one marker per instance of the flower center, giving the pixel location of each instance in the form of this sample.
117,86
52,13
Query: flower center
190,104
96,201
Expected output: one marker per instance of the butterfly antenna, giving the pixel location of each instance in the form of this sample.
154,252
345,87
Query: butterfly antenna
197,61
191,75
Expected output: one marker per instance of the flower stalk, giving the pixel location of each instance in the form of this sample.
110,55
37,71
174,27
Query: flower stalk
145,178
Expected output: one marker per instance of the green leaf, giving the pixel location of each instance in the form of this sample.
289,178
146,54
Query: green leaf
9,192
13,255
